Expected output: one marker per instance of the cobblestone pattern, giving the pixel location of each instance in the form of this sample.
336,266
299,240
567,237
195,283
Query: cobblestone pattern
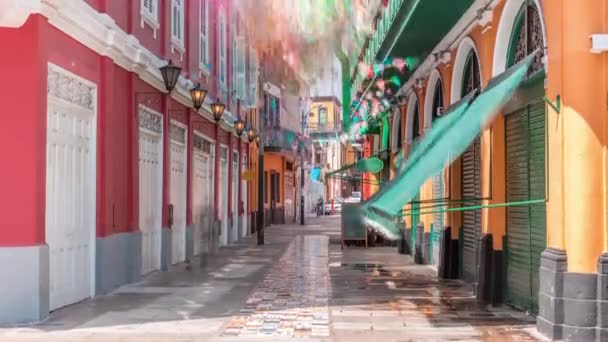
293,299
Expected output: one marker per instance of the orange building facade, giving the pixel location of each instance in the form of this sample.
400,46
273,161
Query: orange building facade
536,234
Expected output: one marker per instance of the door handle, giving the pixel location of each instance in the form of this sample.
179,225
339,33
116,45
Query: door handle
170,215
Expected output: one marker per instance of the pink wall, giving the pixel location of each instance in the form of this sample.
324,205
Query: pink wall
145,35
23,134
119,93
113,128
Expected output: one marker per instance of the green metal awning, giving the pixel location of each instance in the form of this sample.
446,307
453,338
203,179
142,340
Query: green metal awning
367,165
446,141
440,126
419,26
371,165
410,31
385,133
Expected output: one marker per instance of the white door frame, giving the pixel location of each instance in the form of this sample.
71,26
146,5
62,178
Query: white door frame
159,178
222,217
207,188
235,195
184,144
93,186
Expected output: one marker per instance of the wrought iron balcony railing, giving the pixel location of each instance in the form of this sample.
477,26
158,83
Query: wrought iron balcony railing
314,127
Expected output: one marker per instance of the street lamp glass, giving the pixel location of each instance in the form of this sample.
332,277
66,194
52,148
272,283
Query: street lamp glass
251,134
217,109
170,73
239,126
198,96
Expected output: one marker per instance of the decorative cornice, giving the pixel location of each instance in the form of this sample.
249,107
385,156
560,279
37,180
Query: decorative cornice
14,13
451,40
100,33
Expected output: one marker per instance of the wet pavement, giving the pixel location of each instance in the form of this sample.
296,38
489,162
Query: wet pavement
299,286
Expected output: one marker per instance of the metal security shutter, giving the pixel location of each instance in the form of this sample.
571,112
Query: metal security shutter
415,219
471,219
538,212
437,217
525,176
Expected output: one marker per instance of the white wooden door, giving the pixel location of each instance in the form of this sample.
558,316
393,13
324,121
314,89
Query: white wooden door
150,188
209,200
178,192
199,200
223,205
244,217
202,202
245,196
70,187
235,197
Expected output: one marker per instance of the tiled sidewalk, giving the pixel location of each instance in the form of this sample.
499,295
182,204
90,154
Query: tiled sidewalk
293,298
381,295
298,286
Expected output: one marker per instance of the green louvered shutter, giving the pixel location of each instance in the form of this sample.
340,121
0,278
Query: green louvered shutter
538,212
437,217
525,176
415,219
518,218
471,219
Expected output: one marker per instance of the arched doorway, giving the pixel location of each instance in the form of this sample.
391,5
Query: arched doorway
433,109
525,162
412,137
396,131
470,172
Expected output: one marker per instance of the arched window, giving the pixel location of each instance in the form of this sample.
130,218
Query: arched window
527,37
416,124
471,79
399,137
438,100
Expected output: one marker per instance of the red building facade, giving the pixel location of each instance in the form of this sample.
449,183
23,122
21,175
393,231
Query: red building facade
111,177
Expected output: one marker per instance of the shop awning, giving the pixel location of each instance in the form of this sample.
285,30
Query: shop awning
438,149
371,165
440,126
385,133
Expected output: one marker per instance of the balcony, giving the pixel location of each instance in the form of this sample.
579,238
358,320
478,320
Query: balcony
323,127
323,131
279,140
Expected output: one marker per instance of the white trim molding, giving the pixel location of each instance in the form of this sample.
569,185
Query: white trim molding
467,22
395,128
505,32
429,98
178,27
148,16
14,13
87,100
466,45
100,33
412,102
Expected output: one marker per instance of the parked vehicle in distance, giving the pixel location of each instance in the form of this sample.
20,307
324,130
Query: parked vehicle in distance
354,198
337,206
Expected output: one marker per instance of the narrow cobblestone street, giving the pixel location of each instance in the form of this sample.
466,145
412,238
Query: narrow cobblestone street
300,284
